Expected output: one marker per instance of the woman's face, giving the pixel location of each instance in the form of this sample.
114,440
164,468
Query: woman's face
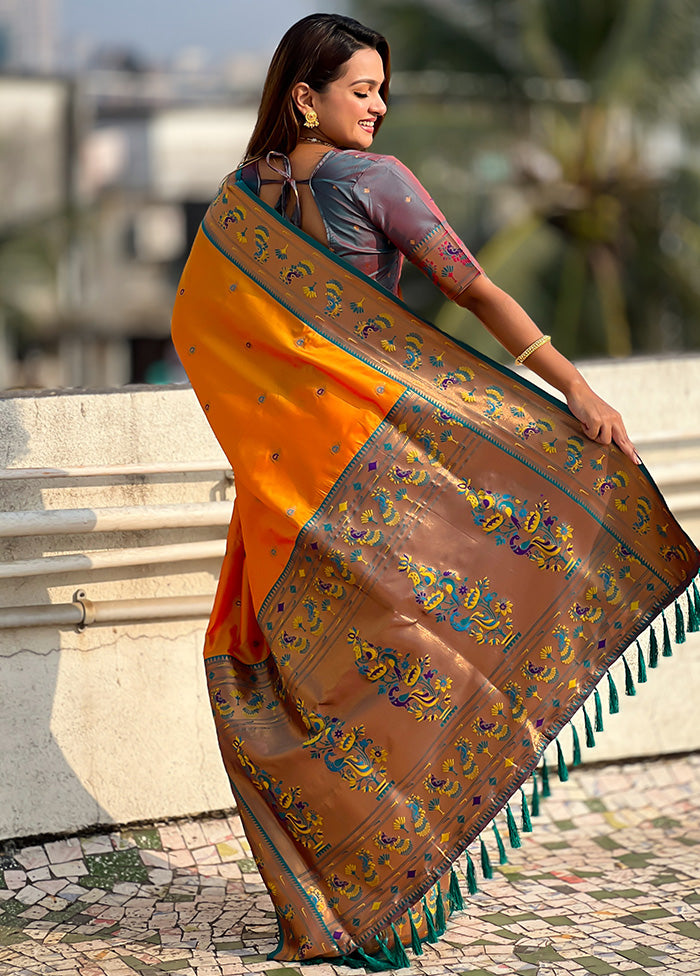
350,106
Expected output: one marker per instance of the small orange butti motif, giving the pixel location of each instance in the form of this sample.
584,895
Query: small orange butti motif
428,571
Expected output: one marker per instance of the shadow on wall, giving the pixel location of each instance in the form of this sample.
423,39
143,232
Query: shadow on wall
36,780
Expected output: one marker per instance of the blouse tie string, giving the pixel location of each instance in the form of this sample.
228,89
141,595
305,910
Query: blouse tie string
288,185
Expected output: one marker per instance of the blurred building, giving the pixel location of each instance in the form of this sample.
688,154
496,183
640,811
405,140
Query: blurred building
28,35
105,178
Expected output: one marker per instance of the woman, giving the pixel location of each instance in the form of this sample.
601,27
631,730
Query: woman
430,564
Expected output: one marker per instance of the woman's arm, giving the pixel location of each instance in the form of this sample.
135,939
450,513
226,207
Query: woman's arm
515,330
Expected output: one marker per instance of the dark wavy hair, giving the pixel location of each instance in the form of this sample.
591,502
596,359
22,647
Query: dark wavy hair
314,51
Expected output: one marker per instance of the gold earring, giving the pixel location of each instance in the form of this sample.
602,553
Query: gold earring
310,119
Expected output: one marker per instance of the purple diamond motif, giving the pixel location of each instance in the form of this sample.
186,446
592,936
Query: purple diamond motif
410,874
338,935
540,721
476,801
601,644
314,545
372,466
280,607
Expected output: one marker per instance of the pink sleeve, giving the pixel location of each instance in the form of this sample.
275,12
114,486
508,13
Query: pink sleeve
401,208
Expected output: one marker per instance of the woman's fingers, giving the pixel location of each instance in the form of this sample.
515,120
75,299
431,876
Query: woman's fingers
617,434
622,440
603,424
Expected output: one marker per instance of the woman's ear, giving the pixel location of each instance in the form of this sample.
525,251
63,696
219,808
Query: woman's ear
302,96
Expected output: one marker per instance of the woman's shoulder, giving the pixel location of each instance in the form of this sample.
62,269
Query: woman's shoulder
355,163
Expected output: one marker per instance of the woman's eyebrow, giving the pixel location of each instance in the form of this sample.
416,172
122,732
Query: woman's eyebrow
365,81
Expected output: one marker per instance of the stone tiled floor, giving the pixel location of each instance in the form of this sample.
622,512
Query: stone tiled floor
608,883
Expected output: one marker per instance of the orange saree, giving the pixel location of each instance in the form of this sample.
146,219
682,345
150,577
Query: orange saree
428,571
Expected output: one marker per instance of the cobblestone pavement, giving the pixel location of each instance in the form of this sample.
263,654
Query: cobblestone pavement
608,883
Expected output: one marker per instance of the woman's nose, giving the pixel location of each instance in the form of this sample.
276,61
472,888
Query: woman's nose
379,106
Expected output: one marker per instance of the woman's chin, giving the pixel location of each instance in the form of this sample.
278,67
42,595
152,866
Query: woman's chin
364,140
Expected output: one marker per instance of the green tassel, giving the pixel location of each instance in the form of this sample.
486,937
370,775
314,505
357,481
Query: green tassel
527,823
696,597
455,895
486,868
432,934
545,778
416,943
653,649
680,625
535,799
577,747
693,615
630,690
400,960
667,652
590,738
388,953
641,665
502,859
513,835
613,700
472,886
440,920
561,765
363,962
598,712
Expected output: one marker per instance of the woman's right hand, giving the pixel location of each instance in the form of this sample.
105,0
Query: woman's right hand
600,421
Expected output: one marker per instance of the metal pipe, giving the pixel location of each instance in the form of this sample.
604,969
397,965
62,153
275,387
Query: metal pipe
111,558
83,611
75,521
51,615
115,470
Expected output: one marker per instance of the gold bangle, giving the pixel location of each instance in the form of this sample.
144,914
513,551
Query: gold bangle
543,339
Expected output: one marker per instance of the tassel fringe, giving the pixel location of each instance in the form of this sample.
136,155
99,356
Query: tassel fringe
440,920
653,649
535,801
680,625
502,859
486,868
400,960
561,765
641,665
613,700
576,761
432,933
454,894
667,651
395,956
693,614
416,943
598,712
546,791
525,811
472,886
513,835
590,738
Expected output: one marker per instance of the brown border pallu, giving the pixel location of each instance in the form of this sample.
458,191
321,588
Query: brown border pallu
428,571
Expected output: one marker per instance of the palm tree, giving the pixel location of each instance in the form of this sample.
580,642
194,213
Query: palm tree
596,227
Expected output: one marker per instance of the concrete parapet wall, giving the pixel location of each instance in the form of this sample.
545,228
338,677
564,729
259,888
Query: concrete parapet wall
111,723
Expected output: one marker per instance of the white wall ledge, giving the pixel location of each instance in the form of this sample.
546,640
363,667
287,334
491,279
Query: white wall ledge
111,722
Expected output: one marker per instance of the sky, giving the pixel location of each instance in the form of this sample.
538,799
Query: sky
160,29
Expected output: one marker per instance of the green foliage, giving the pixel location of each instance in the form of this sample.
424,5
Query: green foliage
571,167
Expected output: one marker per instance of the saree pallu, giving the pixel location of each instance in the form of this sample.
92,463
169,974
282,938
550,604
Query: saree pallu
428,571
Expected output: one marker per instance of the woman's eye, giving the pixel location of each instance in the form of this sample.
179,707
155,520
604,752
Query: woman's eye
362,94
